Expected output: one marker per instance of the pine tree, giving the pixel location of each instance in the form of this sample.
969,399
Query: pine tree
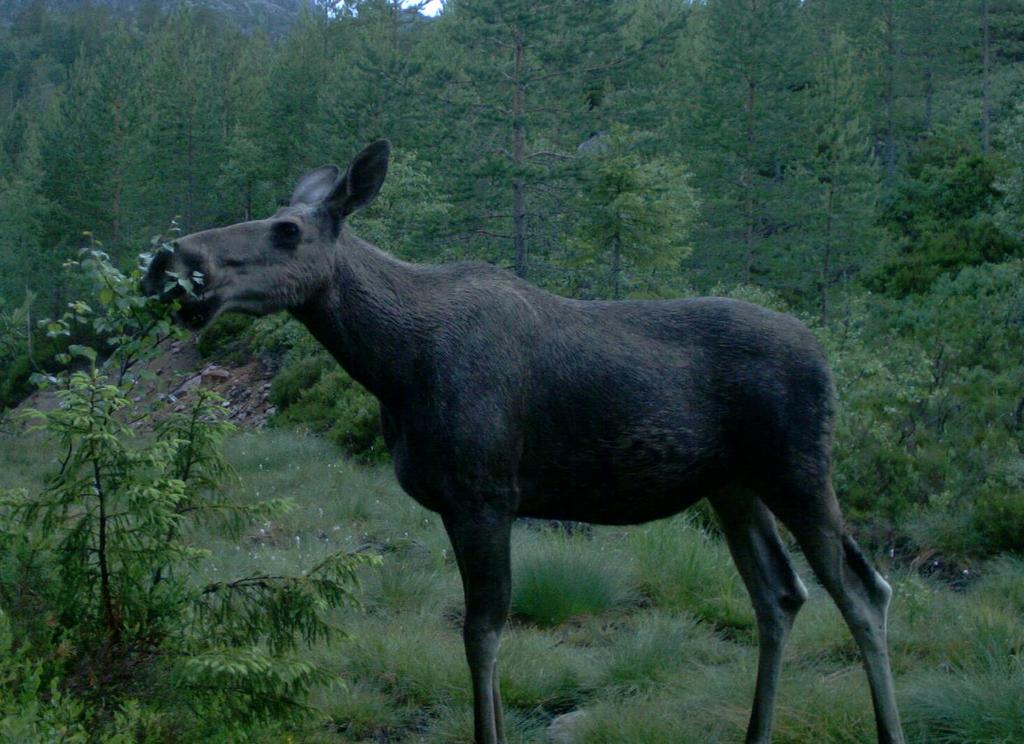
522,71
636,214
87,151
841,167
372,87
181,140
297,79
27,264
245,179
741,138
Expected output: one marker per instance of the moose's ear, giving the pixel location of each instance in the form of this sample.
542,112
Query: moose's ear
362,180
315,185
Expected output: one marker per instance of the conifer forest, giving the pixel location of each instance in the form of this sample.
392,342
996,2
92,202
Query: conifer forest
170,575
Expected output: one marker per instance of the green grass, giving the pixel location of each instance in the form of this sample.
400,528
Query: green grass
648,629
683,567
556,578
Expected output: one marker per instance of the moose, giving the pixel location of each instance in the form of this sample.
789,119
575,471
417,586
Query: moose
500,400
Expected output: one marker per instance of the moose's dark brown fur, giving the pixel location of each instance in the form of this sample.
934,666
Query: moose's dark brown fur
501,400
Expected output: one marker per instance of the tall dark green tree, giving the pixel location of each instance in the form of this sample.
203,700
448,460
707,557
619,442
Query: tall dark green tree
842,173
26,261
635,217
523,84
88,149
181,139
742,140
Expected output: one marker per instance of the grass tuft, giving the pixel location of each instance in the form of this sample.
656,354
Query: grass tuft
654,647
956,708
455,726
556,578
538,671
683,567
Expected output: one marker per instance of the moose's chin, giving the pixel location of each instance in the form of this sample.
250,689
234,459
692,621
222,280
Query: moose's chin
197,314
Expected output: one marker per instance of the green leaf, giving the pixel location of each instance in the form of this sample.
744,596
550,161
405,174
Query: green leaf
83,351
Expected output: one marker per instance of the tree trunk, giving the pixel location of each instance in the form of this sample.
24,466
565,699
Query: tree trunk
518,161
616,268
986,82
826,264
890,93
748,180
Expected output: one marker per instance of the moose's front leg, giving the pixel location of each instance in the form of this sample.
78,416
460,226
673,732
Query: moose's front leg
481,543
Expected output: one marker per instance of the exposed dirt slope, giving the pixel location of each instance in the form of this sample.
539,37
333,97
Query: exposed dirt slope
181,371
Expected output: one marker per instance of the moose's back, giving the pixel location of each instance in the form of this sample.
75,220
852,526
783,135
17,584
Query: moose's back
634,410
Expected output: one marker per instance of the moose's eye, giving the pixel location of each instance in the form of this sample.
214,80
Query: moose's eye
286,234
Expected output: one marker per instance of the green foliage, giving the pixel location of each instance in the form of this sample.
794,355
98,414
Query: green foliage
684,567
296,378
313,393
949,708
565,579
222,337
651,652
28,710
943,219
998,518
835,148
636,214
105,545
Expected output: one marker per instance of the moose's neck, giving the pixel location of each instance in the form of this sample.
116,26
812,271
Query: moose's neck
367,317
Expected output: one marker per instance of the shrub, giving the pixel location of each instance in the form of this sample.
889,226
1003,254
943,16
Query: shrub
335,405
648,653
539,671
296,378
455,726
952,707
104,548
999,520
223,337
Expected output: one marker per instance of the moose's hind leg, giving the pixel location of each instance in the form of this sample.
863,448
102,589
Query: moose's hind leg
861,594
775,591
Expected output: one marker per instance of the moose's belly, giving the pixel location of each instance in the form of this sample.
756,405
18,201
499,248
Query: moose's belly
615,485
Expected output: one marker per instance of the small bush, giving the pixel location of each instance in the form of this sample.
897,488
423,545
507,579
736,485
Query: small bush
561,577
1003,583
223,336
295,379
417,662
455,726
102,552
998,521
364,712
414,589
312,392
538,671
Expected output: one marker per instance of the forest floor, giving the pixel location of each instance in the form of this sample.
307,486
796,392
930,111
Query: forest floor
647,629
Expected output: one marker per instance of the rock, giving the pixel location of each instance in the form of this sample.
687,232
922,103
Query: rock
565,729
214,374
189,384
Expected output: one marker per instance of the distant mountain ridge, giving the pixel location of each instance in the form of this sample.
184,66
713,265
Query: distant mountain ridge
270,15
